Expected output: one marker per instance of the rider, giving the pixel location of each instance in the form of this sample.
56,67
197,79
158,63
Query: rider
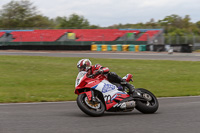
94,70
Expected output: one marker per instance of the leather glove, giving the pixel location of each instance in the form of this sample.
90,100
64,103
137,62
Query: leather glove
91,76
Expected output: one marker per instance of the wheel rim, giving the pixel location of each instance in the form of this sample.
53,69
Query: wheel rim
147,97
93,105
150,100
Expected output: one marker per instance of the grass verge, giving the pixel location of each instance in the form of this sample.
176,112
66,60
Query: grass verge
41,79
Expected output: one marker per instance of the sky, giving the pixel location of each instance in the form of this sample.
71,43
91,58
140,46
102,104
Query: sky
110,12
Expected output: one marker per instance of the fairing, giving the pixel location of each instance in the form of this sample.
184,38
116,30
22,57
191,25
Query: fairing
110,92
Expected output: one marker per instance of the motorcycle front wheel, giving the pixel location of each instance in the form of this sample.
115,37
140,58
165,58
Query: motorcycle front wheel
150,105
91,108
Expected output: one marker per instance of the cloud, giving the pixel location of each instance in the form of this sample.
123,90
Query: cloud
109,12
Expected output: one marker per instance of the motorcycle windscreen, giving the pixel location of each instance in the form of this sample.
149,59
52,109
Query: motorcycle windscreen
80,76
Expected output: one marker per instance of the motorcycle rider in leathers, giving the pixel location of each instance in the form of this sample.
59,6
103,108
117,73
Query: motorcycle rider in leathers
94,70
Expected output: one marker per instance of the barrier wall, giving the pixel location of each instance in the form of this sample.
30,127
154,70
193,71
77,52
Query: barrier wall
131,47
66,45
46,47
72,43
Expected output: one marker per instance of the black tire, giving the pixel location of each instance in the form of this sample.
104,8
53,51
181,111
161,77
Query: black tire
81,102
147,107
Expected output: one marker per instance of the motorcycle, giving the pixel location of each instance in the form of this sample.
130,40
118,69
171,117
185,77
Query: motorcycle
97,95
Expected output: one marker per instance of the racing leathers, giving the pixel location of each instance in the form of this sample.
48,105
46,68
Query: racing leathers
111,76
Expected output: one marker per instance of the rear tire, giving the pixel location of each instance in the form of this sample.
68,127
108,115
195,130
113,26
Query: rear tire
149,106
90,108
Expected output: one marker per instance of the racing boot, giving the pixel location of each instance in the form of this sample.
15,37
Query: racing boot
113,77
128,78
129,86
132,91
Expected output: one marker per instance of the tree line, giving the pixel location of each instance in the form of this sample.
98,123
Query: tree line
23,14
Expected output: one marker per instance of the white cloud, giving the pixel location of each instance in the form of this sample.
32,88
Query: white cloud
109,12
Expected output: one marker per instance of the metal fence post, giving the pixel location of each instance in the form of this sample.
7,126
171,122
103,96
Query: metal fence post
194,39
186,39
103,39
177,39
41,38
147,38
20,39
82,39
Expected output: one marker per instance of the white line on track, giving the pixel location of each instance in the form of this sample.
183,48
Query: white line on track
3,104
35,103
179,97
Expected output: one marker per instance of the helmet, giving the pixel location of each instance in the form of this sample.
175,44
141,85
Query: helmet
84,64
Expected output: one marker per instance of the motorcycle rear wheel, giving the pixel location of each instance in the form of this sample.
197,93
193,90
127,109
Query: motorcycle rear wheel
149,106
90,108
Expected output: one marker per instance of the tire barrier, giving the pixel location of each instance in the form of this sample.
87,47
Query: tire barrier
94,47
114,47
118,47
103,47
125,47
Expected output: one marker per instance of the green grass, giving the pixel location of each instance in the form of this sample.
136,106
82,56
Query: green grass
41,79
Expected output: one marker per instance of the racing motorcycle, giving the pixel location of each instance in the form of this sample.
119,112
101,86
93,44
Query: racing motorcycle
97,95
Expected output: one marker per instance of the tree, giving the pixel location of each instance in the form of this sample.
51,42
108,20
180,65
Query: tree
198,24
173,20
39,21
176,25
21,14
74,21
151,23
186,21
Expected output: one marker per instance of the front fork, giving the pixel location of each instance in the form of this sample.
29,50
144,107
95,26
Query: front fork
90,95
93,97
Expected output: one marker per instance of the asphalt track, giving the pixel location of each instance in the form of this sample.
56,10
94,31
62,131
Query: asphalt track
111,55
175,115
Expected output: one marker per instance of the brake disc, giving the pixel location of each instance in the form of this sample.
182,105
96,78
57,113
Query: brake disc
147,97
91,104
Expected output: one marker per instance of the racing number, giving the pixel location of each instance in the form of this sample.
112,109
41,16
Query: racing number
108,97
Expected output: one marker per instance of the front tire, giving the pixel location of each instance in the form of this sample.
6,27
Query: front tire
90,108
149,106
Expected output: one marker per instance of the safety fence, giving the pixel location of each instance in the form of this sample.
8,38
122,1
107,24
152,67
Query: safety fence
187,39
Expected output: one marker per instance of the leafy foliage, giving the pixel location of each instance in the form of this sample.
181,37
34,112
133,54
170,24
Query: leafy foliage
22,14
74,21
173,25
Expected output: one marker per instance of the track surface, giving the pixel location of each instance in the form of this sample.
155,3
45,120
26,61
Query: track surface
175,115
112,55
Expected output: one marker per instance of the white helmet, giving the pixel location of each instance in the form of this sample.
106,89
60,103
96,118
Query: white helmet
84,64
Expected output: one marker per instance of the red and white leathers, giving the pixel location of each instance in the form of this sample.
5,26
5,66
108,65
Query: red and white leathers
92,71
